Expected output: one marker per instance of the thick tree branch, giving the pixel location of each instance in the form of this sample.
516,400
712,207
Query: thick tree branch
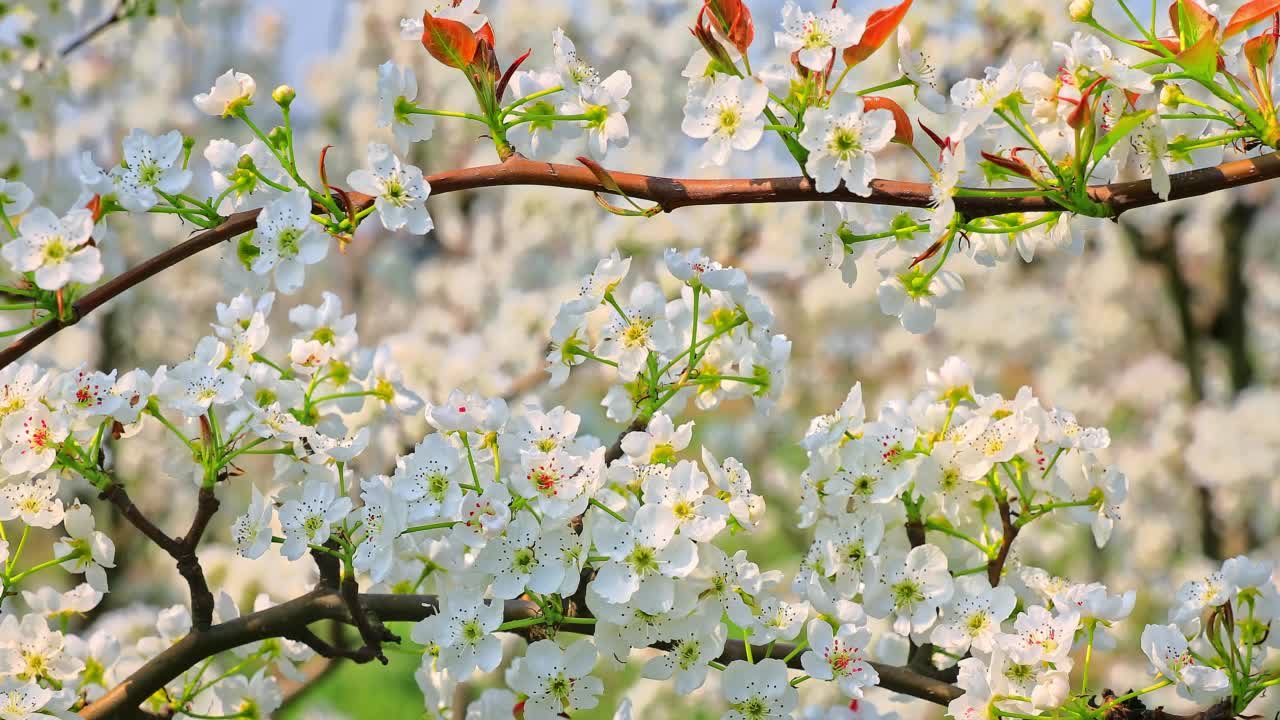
291,619
182,550
672,193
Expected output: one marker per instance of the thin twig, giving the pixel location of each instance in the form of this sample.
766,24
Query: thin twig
94,30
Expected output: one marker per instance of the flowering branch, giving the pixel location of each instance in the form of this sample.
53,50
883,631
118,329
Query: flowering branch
670,194
290,620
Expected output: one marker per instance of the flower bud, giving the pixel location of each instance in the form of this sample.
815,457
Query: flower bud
278,137
1080,10
284,95
1171,96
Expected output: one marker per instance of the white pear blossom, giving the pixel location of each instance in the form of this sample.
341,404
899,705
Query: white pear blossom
55,248
306,518
840,657
758,692
93,550
842,141
1170,656
251,532
911,589
151,166
397,90
232,92
817,37
399,190
556,681
727,115
288,240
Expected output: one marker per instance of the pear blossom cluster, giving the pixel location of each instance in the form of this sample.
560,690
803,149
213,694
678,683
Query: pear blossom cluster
713,342
519,517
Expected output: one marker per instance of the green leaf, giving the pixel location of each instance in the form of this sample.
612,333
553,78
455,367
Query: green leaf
1200,61
1122,128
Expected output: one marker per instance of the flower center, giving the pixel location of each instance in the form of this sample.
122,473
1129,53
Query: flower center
643,560
289,241
56,250
976,623
906,593
844,142
729,121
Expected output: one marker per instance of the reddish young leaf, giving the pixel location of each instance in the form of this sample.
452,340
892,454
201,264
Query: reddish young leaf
937,139
506,76
880,26
709,42
902,130
1082,112
733,20
449,41
1250,13
1260,51
1014,166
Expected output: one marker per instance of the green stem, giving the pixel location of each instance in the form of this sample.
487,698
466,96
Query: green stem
596,503
471,462
447,113
14,580
523,623
8,224
344,395
24,328
506,109
432,526
904,80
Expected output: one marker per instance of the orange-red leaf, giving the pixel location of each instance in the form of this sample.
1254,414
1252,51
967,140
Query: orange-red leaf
449,41
880,26
1250,13
1261,50
902,130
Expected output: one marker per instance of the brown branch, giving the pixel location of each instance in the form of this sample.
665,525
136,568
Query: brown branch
672,193
290,618
182,550
1008,533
